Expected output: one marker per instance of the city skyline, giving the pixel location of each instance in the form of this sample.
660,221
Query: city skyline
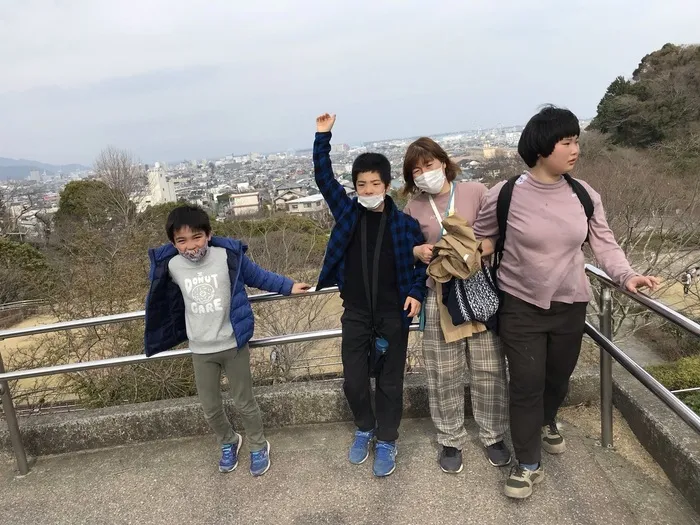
357,144
168,81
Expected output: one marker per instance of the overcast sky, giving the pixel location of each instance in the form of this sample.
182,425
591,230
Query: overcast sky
171,80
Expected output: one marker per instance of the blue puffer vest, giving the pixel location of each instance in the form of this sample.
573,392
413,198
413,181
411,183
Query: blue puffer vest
165,307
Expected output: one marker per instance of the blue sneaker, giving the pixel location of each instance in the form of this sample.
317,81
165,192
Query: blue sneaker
384,458
229,455
359,450
260,460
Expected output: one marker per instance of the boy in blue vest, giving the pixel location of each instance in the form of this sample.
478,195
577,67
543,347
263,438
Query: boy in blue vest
198,294
370,257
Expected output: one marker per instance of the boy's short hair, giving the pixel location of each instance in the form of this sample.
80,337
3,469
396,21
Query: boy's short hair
367,162
544,130
193,217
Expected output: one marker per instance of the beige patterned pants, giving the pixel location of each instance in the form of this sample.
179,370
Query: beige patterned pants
482,357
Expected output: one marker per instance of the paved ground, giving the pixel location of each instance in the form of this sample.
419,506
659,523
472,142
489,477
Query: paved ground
311,482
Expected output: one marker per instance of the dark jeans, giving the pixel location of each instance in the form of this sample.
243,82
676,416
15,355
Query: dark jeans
389,385
542,347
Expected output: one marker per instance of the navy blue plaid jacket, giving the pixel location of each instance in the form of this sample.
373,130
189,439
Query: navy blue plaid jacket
405,231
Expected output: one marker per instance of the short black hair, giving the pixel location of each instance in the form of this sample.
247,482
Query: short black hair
367,162
193,217
544,130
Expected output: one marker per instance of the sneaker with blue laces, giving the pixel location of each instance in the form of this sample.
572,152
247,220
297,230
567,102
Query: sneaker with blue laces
260,460
384,458
229,455
359,450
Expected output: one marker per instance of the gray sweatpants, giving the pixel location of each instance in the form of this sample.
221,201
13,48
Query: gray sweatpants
207,375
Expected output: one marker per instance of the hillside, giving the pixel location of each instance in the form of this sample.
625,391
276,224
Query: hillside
19,168
660,103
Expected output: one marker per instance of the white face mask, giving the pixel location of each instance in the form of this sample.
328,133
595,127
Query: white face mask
431,181
371,202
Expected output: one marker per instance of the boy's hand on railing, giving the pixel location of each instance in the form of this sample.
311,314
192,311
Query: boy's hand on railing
325,122
642,281
412,306
300,288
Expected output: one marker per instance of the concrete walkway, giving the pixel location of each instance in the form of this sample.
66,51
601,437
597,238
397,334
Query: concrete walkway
311,482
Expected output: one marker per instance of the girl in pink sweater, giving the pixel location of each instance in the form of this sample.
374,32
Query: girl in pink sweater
544,287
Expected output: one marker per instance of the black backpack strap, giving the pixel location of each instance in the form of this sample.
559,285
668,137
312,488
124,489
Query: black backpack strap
502,210
583,197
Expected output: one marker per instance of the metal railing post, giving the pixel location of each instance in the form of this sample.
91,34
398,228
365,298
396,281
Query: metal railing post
8,408
606,402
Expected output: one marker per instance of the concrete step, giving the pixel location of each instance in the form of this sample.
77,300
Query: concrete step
311,482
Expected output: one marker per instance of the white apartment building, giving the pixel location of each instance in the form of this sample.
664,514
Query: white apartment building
244,203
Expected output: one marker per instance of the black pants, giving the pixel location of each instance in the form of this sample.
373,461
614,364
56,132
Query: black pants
389,393
542,347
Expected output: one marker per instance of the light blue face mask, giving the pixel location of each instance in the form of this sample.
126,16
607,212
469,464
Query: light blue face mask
196,255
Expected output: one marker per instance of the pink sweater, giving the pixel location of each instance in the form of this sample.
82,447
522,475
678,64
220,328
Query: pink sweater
542,258
467,201
468,196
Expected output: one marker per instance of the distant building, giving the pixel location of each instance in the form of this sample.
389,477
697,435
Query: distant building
244,203
312,204
290,186
161,189
284,197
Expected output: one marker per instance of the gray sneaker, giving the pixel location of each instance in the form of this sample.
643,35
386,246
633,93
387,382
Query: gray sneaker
498,454
451,460
519,483
552,441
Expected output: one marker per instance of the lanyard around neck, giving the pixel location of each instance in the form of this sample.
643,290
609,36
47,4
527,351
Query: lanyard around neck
448,212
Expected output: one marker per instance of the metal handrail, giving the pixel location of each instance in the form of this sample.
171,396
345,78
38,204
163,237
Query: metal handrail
21,304
170,354
643,299
609,350
603,338
685,390
137,359
136,316
9,407
644,377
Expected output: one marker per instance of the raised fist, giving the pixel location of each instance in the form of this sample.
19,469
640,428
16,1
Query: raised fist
325,123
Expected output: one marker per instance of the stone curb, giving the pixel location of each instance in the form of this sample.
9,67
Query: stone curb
281,405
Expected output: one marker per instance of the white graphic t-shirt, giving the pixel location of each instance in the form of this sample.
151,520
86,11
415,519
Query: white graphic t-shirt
206,289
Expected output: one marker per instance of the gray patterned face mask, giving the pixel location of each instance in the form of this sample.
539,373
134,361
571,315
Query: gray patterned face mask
196,255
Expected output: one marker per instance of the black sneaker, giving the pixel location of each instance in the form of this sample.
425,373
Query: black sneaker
451,460
498,454
552,441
